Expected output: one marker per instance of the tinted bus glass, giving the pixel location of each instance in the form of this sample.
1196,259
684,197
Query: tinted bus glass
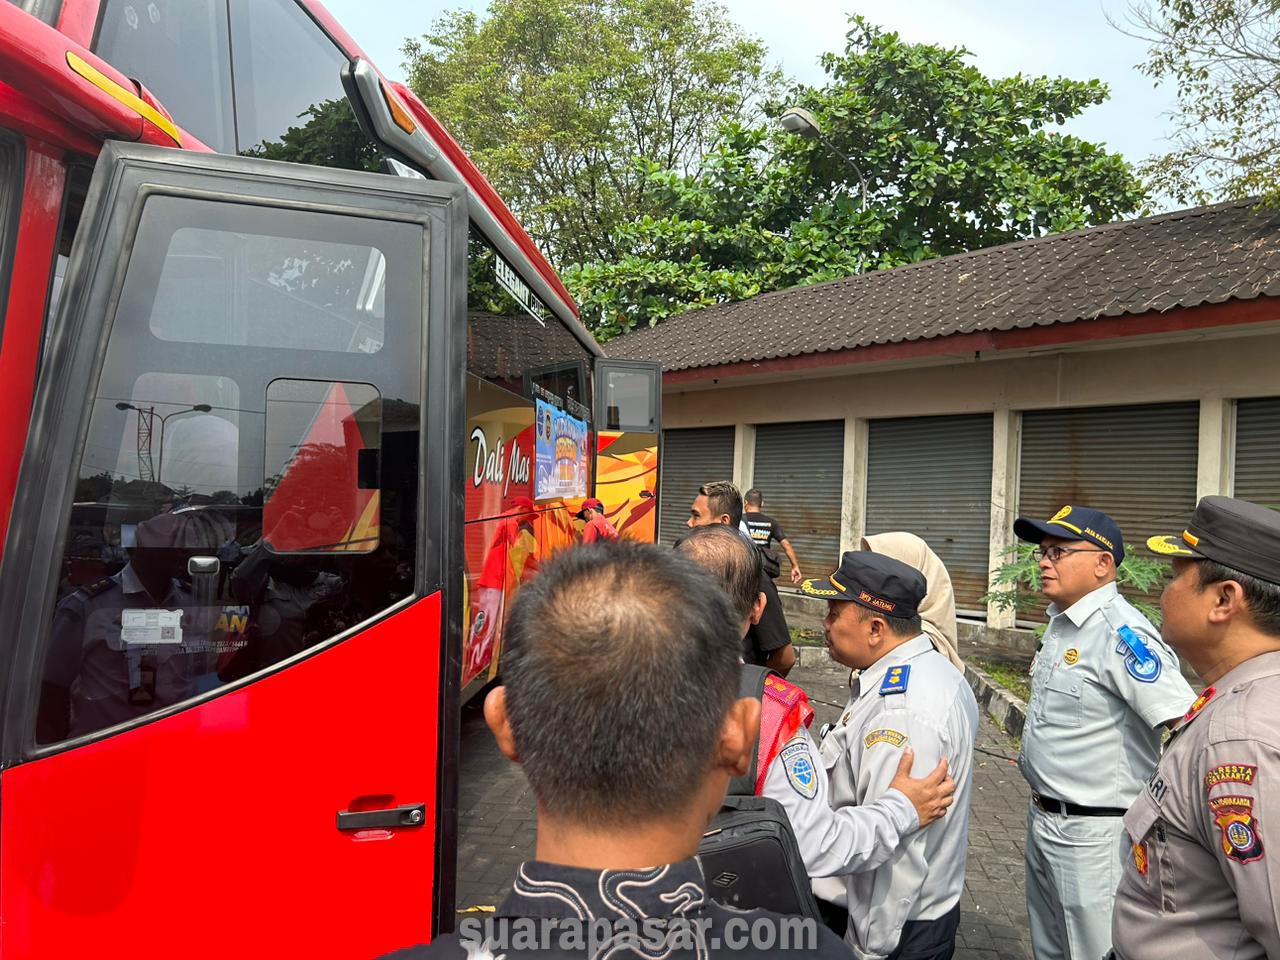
178,49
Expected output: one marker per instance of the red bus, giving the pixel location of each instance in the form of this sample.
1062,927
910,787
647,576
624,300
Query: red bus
292,405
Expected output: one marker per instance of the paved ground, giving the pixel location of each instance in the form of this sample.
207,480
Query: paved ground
497,827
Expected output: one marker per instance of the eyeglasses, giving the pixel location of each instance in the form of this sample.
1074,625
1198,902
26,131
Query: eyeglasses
1054,554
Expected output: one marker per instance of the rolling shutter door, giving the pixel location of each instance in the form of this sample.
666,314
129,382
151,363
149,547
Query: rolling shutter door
931,476
1257,468
690,458
1137,464
799,468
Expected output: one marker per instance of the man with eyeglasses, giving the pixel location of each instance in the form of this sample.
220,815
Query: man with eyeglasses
1103,687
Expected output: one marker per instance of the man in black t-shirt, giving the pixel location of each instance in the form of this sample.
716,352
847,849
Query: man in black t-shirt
768,642
764,531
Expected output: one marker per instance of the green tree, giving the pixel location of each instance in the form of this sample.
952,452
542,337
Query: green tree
1223,57
553,99
952,161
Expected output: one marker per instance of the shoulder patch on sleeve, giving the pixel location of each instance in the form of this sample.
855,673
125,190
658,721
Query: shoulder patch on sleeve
884,735
797,761
895,681
1241,837
1143,664
1230,773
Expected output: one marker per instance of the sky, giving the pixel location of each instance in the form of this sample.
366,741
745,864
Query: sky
1069,38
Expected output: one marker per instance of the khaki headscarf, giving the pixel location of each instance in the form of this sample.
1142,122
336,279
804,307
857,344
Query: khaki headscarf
938,612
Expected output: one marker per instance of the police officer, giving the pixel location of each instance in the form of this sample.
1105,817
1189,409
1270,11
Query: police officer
1198,878
907,695
1103,685
132,642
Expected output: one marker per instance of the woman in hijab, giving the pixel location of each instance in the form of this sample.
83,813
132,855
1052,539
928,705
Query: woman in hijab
938,612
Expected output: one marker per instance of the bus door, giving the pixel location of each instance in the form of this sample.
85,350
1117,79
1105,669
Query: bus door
233,732
628,421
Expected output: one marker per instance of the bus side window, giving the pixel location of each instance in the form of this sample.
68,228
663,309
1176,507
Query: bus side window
245,491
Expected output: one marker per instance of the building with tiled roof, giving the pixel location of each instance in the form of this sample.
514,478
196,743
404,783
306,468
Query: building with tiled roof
1134,366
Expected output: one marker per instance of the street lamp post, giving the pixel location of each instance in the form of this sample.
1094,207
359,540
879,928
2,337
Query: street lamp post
802,123
150,413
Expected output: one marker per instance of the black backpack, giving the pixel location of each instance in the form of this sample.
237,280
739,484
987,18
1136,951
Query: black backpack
749,853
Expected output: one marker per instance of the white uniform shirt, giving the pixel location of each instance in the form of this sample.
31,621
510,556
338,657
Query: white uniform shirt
1092,732
834,842
912,696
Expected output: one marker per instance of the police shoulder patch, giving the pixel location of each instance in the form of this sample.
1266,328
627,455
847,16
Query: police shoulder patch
1241,837
797,761
895,681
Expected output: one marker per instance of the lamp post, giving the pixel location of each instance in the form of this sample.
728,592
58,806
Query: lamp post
802,123
150,414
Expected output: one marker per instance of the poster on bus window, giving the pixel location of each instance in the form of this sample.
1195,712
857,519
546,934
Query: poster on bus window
561,455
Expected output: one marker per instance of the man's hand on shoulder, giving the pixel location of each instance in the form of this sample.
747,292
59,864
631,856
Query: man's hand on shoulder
930,795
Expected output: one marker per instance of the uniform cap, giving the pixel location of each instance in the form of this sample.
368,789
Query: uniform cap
1236,533
1075,523
875,581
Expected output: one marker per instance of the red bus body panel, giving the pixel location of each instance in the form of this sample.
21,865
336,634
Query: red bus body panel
98,855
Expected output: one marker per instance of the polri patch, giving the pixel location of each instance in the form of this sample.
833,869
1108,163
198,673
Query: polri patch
1143,665
895,681
797,761
1230,773
1241,838
884,735
1071,657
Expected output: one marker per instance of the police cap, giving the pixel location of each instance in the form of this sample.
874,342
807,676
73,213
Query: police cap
1236,533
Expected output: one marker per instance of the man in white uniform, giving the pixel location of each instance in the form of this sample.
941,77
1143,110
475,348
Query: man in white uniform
1102,686
907,695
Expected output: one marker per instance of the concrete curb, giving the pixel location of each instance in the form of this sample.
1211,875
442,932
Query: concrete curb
1001,705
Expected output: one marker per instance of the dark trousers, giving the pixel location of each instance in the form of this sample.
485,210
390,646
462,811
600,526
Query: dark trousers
921,939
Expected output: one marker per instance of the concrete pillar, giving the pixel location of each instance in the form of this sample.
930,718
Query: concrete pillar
1215,464
853,507
1006,447
744,456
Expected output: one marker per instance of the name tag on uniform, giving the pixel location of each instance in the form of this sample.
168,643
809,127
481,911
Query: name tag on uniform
139,627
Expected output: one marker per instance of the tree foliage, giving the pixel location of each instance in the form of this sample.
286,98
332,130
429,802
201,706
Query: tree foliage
952,161
1223,56
553,99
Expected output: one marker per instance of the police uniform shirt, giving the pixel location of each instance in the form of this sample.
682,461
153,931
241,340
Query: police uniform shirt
1199,880
110,678
834,842
1092,732
914,697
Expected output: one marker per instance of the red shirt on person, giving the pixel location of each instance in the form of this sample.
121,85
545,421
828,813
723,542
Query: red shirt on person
598,528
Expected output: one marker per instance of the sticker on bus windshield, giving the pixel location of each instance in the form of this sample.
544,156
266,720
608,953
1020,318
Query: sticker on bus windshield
561,466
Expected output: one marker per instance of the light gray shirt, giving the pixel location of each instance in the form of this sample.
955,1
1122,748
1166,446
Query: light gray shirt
1200,880
834,841
912,696
1092,735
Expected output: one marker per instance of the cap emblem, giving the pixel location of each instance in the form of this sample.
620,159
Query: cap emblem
1061,515
1190,538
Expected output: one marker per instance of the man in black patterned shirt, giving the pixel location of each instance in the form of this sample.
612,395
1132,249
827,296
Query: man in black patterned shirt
620,702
